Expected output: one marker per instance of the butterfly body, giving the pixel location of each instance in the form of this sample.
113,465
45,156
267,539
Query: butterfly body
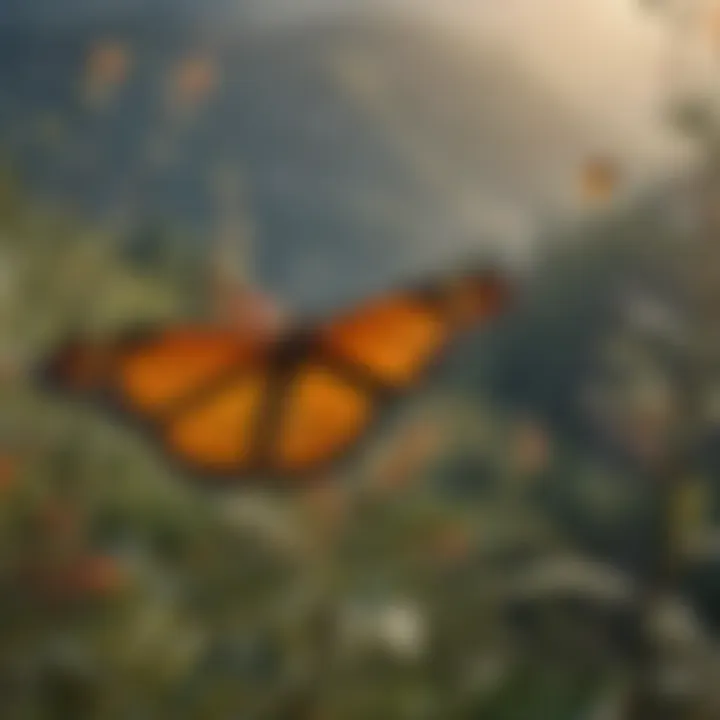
236,404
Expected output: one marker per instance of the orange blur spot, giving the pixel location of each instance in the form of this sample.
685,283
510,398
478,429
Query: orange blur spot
599,180
107,69
194,80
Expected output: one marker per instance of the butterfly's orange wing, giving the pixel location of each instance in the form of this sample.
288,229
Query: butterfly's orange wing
232,404
357,361
197,390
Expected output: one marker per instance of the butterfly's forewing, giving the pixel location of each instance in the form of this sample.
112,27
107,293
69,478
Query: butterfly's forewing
169,368
391,340
146,373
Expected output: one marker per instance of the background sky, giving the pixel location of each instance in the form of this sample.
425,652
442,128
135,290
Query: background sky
612,58
609,58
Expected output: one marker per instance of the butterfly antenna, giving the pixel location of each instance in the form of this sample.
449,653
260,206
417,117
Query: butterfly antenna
232,248
234,292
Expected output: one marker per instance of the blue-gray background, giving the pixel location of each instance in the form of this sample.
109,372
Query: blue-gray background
369,145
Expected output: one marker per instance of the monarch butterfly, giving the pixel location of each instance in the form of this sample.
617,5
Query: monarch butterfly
234,405
599,179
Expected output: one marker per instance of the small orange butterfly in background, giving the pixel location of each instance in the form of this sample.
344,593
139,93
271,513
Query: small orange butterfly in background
599,180
231,403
